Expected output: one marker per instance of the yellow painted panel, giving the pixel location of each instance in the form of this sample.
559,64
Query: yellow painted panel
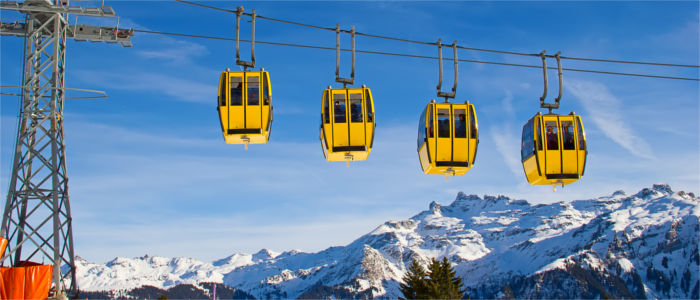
473,134
356,118
530,167
581,145
326,131
369,117
266,100
423,158
222,108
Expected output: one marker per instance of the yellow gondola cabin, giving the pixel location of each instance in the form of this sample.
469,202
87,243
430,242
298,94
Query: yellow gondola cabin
554,149
245,106
347,124
448,136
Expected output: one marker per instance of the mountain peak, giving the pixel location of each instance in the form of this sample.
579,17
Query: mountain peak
663,188
436,208
657,190
264,254
619,193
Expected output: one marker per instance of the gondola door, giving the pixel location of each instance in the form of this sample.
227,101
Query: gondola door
552,155
341,134
460,143
236,111
357,134
253,108
443,149
569,161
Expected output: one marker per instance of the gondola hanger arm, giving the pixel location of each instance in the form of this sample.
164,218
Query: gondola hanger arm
440,93
557,100
344,81
251,63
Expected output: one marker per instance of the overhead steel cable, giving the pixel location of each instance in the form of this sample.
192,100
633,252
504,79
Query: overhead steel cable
459,47
413,56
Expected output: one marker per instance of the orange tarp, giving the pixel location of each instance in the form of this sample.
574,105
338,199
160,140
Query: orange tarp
32,281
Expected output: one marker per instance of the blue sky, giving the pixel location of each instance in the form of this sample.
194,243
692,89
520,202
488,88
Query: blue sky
150,173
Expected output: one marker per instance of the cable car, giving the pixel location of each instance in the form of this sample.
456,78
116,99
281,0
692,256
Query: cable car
448,133
347,123
448,136
554,149
245,106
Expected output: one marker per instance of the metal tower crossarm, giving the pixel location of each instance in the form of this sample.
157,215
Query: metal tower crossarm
37,220
78,32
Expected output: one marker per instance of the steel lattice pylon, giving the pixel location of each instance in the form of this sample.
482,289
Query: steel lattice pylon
37,216
37,220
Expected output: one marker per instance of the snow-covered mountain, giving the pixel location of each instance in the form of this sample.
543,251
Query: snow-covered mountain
639,246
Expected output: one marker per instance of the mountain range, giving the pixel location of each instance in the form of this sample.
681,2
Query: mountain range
643,245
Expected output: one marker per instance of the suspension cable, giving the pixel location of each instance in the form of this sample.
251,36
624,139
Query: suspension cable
459,47
412,55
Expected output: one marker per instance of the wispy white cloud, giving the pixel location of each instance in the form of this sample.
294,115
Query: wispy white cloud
157,83
604,109
509,148
684,37
175,51
505,140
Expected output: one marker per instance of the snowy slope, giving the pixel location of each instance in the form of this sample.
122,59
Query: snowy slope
128,273
644,245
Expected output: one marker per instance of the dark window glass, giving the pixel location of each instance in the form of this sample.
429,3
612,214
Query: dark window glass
581,135
356,108
253,90
431,124
326,113
527,146
550,128
236,90
222,90
368,100
460,123
472,124
266,91
568,135
339,108
443,123
421,129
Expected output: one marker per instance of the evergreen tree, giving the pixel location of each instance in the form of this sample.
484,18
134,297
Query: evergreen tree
415,284
444,282
440,281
